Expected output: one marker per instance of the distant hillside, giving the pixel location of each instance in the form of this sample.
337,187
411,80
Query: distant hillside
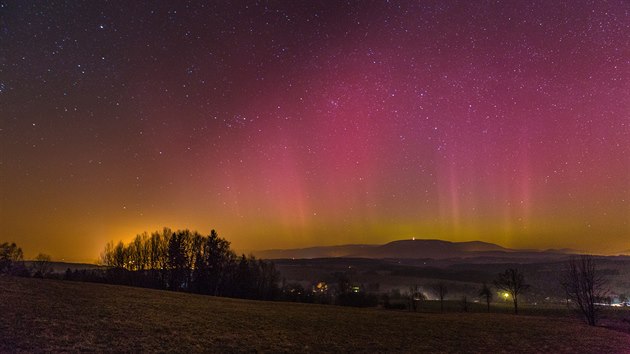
412,249
436,249
60,267
314,252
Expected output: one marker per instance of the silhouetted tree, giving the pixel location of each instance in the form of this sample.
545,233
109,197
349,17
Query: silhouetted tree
138,252
11,259
243,278
486,294
584,286
512,282
158,256
107,256
219,262
268,280
42,266
415,298
201,272
179,260
441,291
119,256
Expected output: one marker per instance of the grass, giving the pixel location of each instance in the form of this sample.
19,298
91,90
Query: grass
39,315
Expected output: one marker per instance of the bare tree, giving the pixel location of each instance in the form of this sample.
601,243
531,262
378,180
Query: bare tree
441,291
42,266
584,286
415,298
486,293
513,283
107,256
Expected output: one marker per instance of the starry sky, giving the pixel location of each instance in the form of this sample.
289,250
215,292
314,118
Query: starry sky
293,123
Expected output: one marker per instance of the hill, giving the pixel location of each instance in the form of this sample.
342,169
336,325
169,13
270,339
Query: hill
314,252
60,267
436,249
48,315
416,249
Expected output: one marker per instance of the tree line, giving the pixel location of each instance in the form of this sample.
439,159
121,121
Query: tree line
188,261
12,262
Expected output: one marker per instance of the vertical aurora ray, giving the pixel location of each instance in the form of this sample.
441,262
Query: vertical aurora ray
299,124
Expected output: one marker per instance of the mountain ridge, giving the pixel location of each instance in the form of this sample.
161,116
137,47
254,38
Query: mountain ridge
410,249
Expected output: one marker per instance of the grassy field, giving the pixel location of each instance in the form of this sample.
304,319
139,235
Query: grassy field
47,315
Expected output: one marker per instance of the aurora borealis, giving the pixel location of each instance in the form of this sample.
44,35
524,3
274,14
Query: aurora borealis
294,124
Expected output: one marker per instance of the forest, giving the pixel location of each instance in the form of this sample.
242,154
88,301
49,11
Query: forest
188,261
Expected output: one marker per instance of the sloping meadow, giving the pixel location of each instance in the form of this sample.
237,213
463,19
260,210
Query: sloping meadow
51,315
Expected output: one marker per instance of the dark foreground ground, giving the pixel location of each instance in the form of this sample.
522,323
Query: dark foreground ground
46,315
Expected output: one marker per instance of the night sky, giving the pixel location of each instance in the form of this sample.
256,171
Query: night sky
293,124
